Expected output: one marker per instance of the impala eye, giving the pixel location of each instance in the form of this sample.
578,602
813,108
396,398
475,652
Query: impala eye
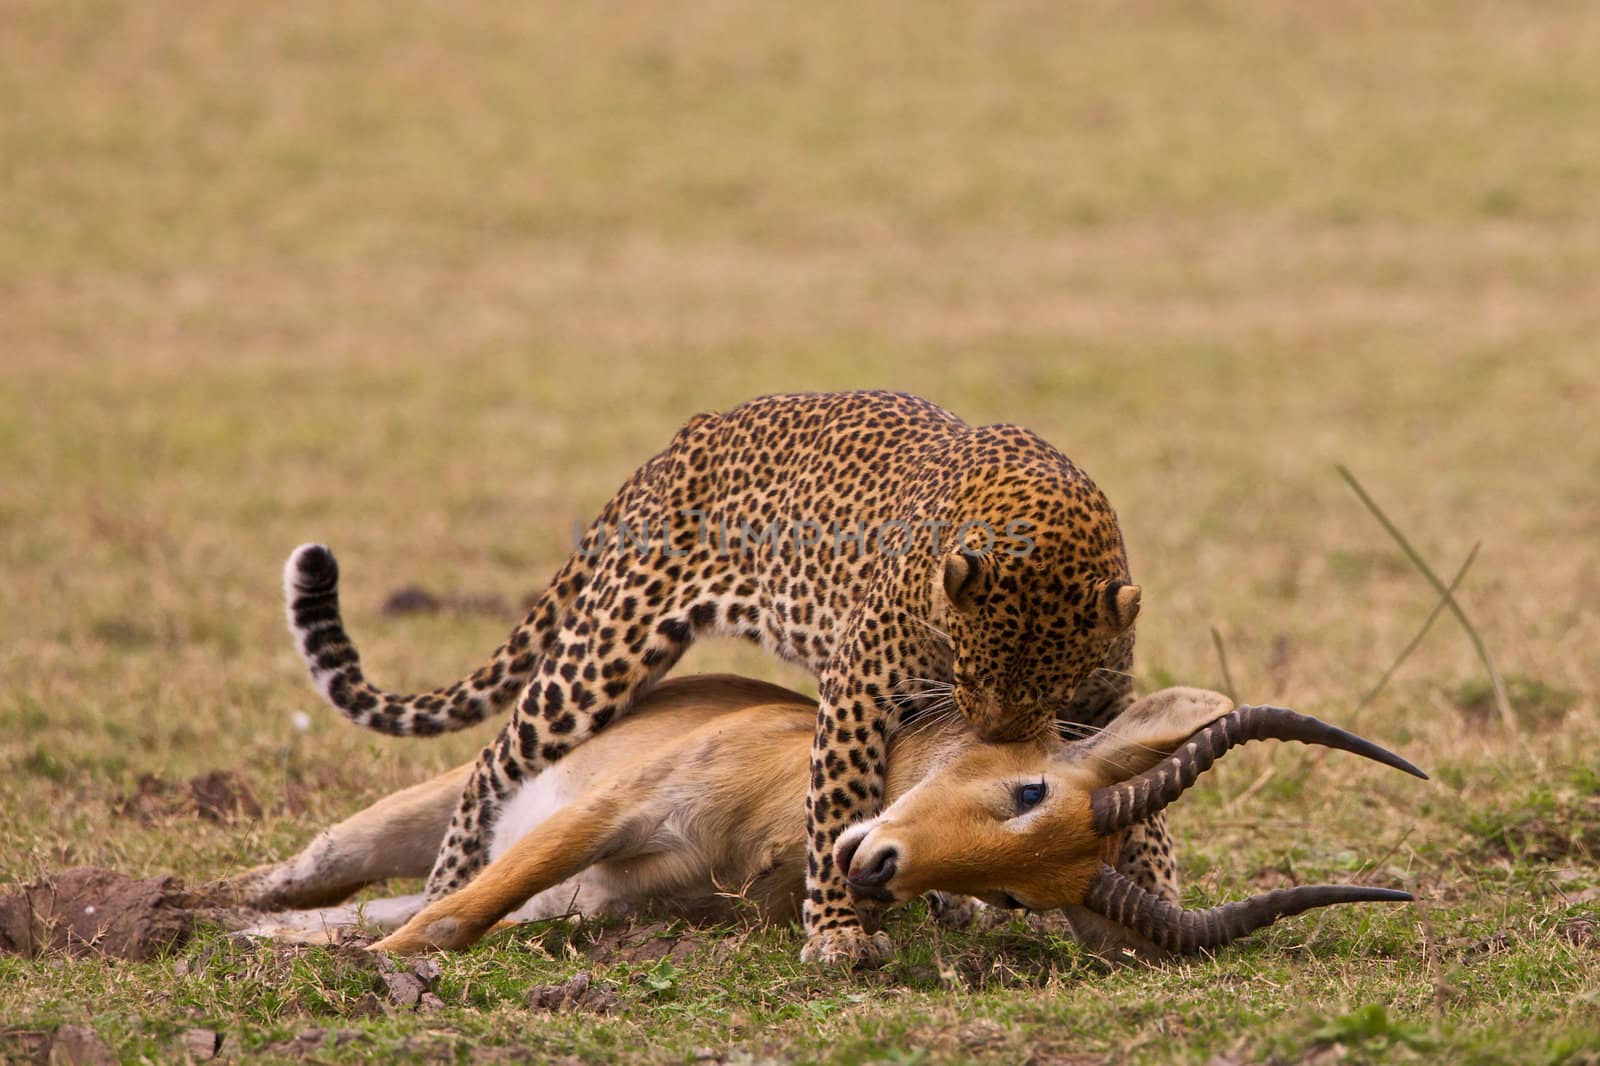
1028,796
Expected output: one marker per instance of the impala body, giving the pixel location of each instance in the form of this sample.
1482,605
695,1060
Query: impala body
695,804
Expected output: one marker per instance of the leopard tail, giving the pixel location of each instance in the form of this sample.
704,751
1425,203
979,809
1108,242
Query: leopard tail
311,594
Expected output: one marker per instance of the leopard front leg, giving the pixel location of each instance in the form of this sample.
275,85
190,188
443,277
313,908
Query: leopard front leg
1145,854
847,781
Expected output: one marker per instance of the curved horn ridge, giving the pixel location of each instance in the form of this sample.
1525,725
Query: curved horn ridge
1120,899
1115,807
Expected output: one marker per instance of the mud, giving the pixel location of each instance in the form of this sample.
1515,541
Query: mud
219,796
640,943
414,599
88,910
580,992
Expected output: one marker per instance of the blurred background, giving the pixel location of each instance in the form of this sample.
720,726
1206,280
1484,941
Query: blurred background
427,283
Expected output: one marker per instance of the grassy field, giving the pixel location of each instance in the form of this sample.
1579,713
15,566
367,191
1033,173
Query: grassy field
427,283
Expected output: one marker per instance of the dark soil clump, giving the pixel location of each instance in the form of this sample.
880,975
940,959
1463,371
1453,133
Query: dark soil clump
88,910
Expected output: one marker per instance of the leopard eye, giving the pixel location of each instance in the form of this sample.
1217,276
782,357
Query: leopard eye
1029,796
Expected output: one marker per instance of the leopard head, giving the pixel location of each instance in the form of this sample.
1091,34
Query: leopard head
1033,593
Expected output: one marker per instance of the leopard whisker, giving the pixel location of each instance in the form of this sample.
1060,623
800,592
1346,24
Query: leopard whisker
929,682
904,698
936,716
935,629
1078,731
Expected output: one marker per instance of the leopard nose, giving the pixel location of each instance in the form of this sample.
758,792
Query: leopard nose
876,869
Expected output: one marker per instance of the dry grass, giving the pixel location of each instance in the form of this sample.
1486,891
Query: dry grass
427,284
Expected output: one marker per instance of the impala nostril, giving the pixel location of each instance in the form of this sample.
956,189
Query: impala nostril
844,851
880,870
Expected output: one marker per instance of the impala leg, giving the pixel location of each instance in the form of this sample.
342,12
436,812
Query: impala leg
396,837
574,838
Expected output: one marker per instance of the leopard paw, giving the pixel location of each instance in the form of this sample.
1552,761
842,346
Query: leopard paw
951,910
848,945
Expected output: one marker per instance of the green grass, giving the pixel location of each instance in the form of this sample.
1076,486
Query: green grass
427,284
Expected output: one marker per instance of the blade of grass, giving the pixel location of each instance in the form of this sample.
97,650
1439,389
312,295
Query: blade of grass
1502,704
1438,609
1222,657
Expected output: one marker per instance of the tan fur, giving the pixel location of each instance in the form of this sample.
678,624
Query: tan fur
696,799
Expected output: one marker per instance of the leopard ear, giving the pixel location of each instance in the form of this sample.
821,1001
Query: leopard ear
961,570
1119,606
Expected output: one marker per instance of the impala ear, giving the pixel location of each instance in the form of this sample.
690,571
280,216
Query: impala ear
961,570
1119,606
1150,730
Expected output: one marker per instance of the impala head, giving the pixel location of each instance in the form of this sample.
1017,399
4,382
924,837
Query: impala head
1033,824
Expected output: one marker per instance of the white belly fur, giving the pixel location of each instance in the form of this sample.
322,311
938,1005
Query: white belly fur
529,807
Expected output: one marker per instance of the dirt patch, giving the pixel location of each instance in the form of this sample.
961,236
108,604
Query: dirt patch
67,1045
1272,878
218,796
414,599
643,943
25,1045
1580,932
578,993
393,984
411,985
201,1044
88,910
312,1041
150,801
78,1045
222,796
1493,944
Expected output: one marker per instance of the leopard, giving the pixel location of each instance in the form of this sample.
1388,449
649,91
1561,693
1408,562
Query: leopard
917,566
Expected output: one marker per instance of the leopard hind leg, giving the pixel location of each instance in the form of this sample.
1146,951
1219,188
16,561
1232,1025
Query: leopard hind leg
612,647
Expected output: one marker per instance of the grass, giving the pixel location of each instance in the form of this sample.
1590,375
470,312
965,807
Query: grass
428,283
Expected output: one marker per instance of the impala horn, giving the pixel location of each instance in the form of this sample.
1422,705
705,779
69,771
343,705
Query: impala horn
1115,807
1117,897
